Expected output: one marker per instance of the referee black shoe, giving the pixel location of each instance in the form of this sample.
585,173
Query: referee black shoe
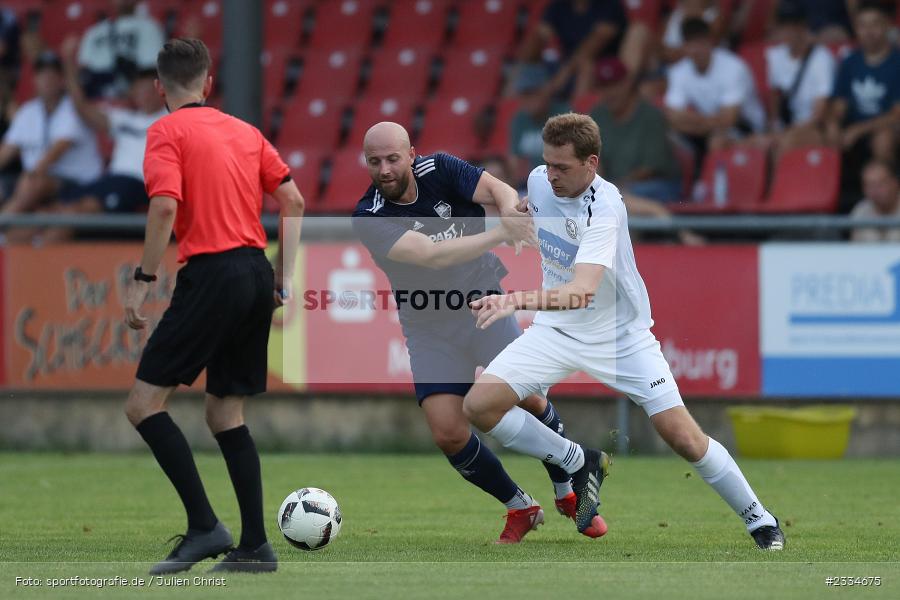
586,483
241,560
194,546
768,537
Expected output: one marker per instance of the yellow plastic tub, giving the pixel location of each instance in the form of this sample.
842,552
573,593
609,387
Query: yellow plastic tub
803,432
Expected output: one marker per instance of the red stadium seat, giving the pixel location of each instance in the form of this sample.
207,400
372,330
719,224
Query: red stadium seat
312,120
305,164
417,23
646,11
806,180
348,182
370,110
498,141
486,23
343,23
203,19
70,17
334,73
283,21
471,72
450,126
745,168
274,63
400,71
757,21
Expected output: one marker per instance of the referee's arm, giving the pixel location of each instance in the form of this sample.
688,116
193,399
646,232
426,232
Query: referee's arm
160,220
292,206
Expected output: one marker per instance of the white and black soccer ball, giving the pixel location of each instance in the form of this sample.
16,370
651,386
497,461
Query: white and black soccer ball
309,518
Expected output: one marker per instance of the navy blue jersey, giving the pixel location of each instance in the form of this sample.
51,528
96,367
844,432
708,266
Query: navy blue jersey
443,210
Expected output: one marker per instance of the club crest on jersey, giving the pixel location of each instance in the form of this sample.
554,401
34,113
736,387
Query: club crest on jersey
442,209
572,228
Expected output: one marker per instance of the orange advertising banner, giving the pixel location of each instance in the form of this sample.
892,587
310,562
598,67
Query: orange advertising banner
64,325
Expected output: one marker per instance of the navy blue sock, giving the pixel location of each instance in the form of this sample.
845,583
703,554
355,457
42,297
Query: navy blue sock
551,419
479,466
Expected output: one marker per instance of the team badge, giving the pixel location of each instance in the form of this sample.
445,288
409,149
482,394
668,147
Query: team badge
442,209
572,229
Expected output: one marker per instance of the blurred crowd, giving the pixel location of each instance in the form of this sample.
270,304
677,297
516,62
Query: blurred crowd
704,106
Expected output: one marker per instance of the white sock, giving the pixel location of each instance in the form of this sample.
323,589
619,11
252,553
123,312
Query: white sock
562,489
523,432
719,470
519,501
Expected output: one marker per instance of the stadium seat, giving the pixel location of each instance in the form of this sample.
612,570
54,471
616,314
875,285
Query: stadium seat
343,23
754,54
416,23
203,19
745,169
305,164
370,110
757,21
333,73
450,126
471,72
400,72
486,23
687,162
806,180
283,21
274,62
71,17
312,120
347,183
647,12
504,111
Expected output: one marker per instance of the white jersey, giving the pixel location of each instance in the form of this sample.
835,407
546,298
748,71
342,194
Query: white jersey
592,228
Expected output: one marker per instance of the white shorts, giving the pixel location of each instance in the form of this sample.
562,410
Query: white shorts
543,356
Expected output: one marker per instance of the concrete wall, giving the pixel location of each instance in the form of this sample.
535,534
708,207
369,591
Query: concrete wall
96,422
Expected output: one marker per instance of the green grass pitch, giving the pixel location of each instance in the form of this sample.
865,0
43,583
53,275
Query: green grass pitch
414,528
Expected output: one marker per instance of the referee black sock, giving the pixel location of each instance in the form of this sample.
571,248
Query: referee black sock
243,466
174,455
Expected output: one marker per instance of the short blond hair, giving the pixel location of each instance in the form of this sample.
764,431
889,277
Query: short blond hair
573,128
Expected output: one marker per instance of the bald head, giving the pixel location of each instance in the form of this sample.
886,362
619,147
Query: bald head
389,158
386,135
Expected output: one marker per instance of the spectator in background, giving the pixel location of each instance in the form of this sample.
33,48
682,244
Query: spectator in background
9,173
708,10
882,200
711,98
121,188
801,75
526,146
587,30
636,153
865,111
59,153
115,48
830,20
9,42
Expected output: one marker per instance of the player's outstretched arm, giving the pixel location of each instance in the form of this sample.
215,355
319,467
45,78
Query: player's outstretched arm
417,249
490,191
292,206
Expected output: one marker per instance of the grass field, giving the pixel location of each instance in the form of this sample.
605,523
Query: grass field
413,528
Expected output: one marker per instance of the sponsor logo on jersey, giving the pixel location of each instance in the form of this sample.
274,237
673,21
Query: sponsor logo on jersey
572,228
448,234
442,209
659,381
557,250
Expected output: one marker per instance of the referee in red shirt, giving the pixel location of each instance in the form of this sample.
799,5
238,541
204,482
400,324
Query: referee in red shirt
205,173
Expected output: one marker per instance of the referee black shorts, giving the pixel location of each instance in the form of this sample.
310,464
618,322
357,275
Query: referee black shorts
219,319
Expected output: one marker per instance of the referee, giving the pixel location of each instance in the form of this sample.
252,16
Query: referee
205,174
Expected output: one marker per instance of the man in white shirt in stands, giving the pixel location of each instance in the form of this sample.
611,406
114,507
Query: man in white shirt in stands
58,151
881,187
115,48
593,315
711,98
801,76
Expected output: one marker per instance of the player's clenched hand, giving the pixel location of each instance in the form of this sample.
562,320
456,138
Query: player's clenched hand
282,289
488,309
134,299
519,228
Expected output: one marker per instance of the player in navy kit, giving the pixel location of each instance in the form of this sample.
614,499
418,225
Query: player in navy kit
422,220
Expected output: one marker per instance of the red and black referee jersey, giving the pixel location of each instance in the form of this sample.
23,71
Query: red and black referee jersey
217,168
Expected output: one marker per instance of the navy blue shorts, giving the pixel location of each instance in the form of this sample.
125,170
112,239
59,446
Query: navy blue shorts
444,356
117,193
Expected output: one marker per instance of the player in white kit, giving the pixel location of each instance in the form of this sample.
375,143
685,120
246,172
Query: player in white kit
593,316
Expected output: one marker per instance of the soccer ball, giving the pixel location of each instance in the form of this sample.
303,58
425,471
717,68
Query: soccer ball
309,518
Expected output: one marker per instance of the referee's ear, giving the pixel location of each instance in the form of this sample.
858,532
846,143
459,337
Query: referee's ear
207,86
